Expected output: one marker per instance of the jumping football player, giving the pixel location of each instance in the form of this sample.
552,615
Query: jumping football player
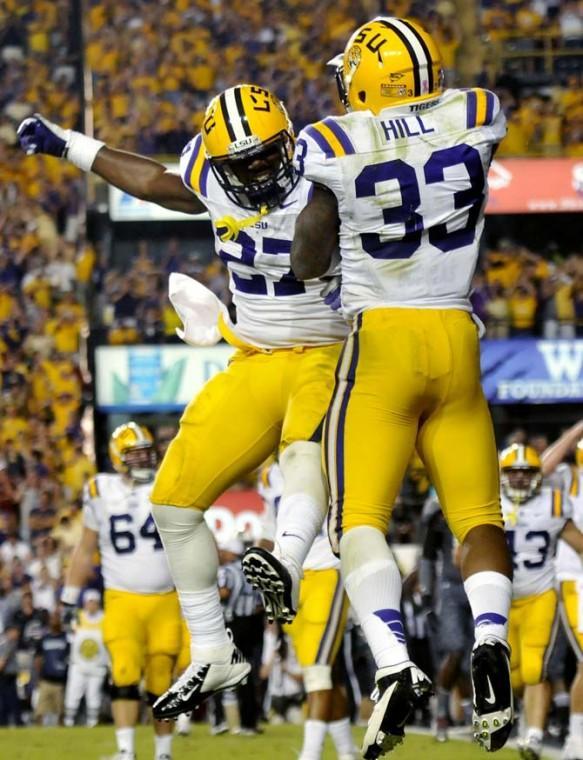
142,624
401,188
277,387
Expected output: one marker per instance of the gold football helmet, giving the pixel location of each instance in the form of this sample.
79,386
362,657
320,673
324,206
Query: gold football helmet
249,140
387,62
520,472
132,452
579,454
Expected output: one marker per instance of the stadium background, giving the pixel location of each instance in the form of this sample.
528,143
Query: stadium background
87,334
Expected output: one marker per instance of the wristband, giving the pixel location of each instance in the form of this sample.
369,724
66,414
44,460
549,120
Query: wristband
81,150
70,595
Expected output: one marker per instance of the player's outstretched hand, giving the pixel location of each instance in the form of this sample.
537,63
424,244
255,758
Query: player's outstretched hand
39,135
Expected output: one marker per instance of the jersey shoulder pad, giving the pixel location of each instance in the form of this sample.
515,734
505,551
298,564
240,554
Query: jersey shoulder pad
93,487
558,504
575,485
317,146
482,107
195,166
330,138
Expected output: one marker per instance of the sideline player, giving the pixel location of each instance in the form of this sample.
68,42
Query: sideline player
316,633
401,188
278,385
569,568
88,662
535,518
142,625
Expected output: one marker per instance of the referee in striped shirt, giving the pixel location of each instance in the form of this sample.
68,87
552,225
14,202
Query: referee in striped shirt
243,612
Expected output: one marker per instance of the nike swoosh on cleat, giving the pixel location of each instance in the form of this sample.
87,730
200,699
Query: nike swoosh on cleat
490,699
294,535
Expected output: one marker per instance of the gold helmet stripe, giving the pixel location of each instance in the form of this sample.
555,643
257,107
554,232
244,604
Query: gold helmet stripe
412,45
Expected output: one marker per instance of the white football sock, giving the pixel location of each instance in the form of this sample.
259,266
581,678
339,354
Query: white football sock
303,504
341,733
314,736
192,556
125,738
534,733
490,595
373,583
162,746
576,727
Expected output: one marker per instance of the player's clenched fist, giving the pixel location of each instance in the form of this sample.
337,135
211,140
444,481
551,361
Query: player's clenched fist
39,135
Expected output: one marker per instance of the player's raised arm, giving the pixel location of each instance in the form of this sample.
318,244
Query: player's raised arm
315,236
554,454
137,175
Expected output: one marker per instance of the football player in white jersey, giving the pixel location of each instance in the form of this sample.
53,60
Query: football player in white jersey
316,632
535,517
88,662
401,189
277,388
142,624
569,569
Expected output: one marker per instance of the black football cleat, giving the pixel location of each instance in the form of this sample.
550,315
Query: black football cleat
400,691
199,682
493,699
277,586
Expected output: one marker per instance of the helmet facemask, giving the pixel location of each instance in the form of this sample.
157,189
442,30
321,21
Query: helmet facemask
261,176
520,484
139,462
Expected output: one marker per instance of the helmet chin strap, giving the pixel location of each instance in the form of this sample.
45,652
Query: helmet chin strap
228,227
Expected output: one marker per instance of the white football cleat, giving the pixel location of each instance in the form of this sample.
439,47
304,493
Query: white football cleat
400,690
199,682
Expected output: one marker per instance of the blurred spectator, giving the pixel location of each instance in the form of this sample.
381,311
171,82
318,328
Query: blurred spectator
9,703
51,666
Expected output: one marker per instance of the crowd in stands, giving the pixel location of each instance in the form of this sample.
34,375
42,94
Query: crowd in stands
154,103
519,293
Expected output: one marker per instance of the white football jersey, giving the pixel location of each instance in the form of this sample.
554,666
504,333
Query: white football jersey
274,310
320,556
411,186
132,555
569,565
88,651
532,531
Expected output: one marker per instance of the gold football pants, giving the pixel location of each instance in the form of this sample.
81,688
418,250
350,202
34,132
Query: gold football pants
532,627
142,634
262,401
406,379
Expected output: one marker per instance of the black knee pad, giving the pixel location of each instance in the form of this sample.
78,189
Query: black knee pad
125,692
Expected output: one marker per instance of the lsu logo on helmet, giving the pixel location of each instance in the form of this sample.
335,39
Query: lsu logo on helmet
387,62
131,451
520,472
249,140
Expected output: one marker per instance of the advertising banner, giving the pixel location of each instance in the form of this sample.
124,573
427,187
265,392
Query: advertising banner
530,371
153,378
535,185
165,378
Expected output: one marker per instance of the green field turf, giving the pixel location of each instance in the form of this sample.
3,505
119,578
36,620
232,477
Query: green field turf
277,743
